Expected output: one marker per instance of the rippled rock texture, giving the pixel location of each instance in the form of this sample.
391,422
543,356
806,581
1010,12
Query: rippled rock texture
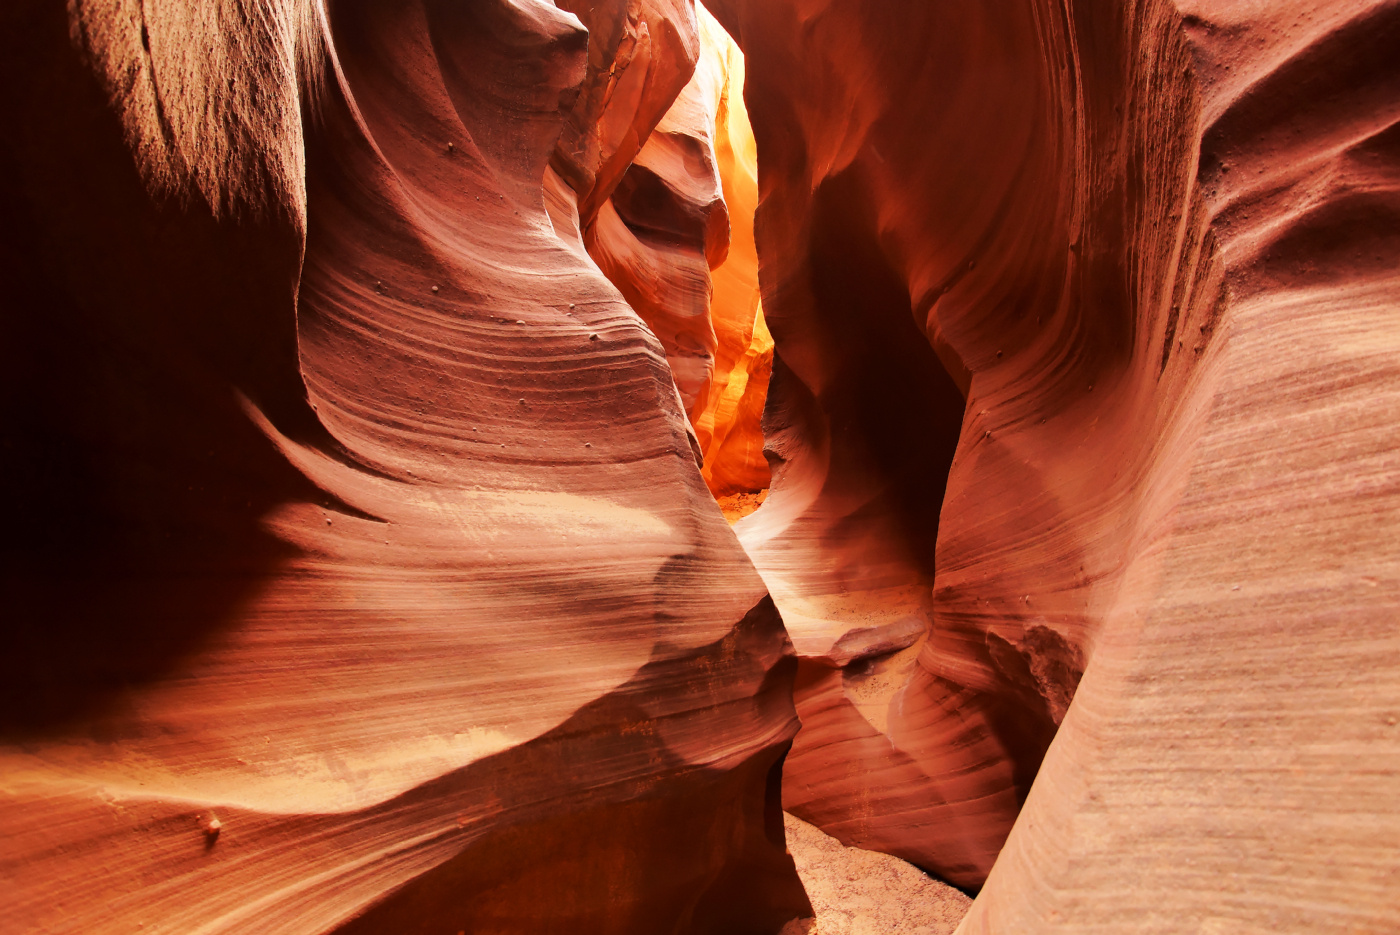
1085,380
676,238
359,575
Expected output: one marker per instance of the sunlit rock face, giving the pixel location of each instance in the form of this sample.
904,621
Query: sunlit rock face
728,425
641,54
676,238
663,228
359,575
1085,388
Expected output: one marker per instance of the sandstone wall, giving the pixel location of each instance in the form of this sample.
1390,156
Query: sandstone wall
1082,372
360,574
676,237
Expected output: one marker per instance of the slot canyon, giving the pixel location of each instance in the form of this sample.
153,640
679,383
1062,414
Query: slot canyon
767,467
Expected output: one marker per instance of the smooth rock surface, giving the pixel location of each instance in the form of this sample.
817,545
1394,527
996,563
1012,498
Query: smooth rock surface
360,576
1153,247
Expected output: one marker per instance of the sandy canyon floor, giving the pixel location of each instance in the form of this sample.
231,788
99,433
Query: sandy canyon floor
858,892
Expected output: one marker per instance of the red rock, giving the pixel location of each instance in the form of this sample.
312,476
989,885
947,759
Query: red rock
1155,249
641,54
359,576
330,517
664,227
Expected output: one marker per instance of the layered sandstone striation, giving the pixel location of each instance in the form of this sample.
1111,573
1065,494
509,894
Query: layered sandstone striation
359,575
1084,388
676,238
663,228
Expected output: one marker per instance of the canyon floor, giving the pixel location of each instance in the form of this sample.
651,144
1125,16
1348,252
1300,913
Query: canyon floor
859,892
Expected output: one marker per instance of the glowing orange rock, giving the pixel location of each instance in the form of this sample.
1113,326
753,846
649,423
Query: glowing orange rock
676,237
666,225
728,423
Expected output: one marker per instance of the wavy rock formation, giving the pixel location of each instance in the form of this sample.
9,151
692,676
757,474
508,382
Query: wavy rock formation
641,54
664,227
1234,750
359,576
728,426
1083,370
676,238
663,231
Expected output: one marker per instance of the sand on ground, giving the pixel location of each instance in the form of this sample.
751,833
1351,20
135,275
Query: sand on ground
858,892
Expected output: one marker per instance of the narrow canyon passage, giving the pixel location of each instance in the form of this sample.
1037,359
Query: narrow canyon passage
867,450
677,239
372,372
861,424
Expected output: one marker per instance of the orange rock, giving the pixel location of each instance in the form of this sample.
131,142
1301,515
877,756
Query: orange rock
349,502
728,424
676,237
664,227
336,520
1153,248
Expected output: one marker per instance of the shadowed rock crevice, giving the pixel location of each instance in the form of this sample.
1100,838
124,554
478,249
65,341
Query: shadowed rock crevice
137,477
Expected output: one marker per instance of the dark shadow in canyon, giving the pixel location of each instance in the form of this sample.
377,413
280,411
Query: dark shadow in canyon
136,481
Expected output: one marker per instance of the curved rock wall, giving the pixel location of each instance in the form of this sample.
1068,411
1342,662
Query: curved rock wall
729,424
887,248
641,54
1081,372
676,237
1233,747
360,577
663,228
